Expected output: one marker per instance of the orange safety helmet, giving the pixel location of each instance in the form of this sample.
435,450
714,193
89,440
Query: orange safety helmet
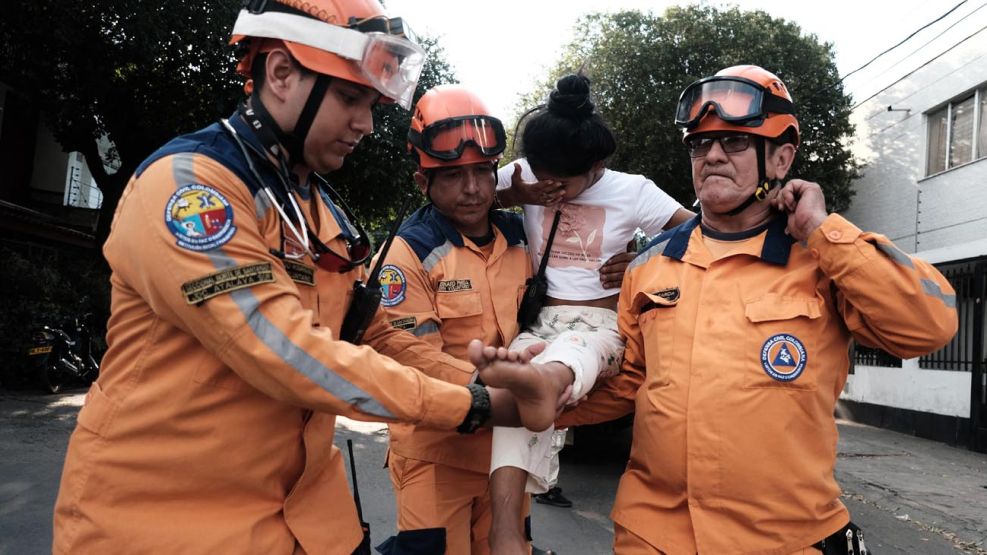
451,126
746,98
349,39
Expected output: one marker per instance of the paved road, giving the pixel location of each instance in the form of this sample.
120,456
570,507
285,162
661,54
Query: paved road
911,496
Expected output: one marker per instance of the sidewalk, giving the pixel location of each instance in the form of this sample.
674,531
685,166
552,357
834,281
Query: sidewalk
940,489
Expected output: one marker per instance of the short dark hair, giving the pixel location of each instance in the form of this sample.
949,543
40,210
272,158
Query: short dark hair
566,137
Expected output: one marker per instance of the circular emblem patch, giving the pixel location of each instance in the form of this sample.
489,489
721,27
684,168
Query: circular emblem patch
783,357
393,285
200,217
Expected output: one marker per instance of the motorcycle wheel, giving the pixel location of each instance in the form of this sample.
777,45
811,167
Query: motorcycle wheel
52,379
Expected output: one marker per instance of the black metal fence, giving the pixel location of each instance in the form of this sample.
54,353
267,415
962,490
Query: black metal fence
959,353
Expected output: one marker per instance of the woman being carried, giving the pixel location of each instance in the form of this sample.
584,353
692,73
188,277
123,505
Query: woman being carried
565,145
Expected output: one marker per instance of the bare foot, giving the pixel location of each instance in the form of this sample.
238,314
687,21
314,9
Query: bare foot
536,388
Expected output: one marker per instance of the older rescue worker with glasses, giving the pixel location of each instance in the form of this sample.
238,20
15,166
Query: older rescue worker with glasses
210,427
738,325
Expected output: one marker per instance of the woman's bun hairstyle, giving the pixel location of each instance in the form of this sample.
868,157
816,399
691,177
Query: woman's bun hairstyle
566,137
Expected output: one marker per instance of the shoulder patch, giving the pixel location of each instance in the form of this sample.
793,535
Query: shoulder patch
453,285
199,290
199,217
393,285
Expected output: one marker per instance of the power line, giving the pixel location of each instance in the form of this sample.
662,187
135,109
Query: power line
872,60
917,31
927,43
932,59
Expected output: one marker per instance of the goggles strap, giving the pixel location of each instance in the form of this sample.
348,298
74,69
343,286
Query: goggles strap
296,139
270,134
764,185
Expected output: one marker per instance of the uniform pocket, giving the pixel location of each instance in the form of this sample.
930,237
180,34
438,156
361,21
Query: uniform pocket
785,327
461,304
656,318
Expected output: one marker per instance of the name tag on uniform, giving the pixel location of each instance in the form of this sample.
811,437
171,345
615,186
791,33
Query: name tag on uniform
453,285
300,273
404,323
199,290
671,294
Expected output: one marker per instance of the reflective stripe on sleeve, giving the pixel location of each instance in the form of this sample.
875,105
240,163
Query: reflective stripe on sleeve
425,329
437,254
269,334
932,289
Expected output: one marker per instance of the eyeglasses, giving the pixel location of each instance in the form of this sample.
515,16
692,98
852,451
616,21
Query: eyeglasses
447,139
731,144
736,100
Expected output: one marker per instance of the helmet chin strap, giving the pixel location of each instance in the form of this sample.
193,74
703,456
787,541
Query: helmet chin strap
271,134
764,185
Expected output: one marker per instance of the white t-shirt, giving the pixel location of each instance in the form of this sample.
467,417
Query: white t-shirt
595,226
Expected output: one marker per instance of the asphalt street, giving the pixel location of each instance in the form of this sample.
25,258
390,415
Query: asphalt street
910,495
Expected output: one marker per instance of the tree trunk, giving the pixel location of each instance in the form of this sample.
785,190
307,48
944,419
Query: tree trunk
111,185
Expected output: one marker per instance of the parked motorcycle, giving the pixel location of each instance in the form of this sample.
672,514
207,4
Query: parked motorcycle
57,358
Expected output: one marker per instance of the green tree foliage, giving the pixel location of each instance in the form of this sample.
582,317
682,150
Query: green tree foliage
137,72
640,63
143,72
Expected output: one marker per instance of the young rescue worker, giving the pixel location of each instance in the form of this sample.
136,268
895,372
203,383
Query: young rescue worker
567,143
210,428
454,273
737,328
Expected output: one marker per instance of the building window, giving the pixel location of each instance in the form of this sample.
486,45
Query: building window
957,132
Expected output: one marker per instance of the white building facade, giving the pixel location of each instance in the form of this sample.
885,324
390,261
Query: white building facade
923,140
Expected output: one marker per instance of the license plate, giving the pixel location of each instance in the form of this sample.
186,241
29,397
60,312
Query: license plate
39,350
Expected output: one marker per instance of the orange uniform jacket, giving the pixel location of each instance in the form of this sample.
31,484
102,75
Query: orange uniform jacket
446,291
210,428
733,368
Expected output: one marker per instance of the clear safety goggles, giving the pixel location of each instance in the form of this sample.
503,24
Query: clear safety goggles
736,100
447,139
383,49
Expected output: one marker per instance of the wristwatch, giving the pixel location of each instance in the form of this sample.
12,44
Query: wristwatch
479,411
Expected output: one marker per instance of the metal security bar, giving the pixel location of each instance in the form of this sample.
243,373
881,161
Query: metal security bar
867,356
959,353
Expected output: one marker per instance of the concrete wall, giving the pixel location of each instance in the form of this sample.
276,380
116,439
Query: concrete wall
894,197
941,218
51,164
910,387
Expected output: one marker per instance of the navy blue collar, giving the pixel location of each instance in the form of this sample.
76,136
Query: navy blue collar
498,219
777,243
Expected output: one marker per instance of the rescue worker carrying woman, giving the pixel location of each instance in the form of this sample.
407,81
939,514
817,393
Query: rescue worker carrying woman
454,273
738,324
210,428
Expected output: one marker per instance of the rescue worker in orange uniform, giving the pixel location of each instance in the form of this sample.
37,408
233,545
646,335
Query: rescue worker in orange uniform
738,325
454,273
210,428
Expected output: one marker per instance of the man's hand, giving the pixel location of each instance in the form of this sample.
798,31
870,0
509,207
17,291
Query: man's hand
806,206
612,271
